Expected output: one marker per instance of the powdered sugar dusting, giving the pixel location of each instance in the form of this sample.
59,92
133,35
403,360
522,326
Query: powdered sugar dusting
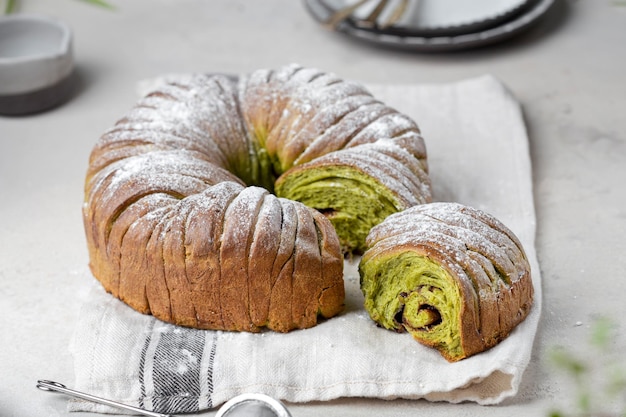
449,226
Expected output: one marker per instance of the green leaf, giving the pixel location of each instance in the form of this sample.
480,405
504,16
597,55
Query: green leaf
10,6
584,402
100,3
568,362
601,333
616,381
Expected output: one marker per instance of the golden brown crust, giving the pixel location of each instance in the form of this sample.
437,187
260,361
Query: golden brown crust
332,292
204,229
282,270
238,227
307,274
263,252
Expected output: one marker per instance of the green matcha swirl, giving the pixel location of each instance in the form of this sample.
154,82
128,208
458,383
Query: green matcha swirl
357,188
454,277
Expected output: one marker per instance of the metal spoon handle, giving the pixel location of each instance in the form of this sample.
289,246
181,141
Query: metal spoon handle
57,387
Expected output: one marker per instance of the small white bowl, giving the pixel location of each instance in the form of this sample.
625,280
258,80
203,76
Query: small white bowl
36,63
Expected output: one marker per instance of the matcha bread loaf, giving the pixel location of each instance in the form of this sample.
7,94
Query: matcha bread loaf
452,276
180,213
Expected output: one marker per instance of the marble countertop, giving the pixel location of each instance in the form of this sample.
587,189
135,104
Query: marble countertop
568,72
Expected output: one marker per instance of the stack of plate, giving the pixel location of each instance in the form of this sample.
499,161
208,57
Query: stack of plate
433,25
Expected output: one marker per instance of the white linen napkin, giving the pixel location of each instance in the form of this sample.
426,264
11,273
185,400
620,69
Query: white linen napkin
479,156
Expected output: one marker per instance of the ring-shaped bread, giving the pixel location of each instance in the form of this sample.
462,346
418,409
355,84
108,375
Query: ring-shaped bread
180,216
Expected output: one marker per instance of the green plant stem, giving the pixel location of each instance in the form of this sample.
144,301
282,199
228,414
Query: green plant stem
100,3
9,7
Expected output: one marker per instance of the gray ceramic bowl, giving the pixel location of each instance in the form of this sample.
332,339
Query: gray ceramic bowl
36,63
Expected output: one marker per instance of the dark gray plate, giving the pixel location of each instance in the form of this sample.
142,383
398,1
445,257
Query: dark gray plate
477,34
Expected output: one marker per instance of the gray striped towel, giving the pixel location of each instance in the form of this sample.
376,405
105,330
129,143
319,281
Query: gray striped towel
478,155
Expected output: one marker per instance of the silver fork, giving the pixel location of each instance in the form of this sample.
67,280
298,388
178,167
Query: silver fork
372,19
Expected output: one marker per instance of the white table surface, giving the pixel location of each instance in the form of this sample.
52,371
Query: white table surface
569,73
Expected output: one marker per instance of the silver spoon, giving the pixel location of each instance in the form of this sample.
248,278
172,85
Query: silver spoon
245,405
